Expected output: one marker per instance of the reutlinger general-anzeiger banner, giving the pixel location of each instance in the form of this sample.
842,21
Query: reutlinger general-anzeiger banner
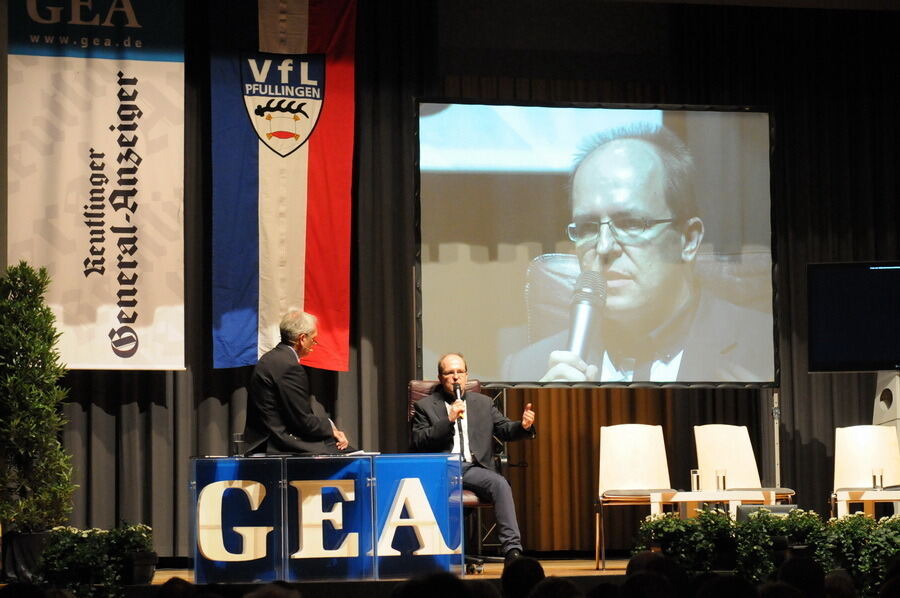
95,173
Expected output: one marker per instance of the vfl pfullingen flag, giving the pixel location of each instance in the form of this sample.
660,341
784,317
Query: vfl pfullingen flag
282,171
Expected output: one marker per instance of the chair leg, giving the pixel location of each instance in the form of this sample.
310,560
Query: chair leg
478,541
599,540
602,542
486,532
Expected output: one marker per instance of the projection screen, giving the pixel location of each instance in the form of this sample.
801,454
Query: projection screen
670,216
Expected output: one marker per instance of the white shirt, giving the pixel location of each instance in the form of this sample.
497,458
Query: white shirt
660,371
465,430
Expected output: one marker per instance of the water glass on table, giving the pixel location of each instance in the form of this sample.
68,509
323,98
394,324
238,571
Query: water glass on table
238,445
695,480
877,478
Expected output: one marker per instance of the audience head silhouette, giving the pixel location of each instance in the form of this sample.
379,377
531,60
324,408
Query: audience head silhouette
731,586
555,587
520,577
804,574
439,584
647,584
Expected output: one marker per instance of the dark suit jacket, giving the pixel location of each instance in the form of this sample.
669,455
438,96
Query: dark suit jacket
432,431
281,416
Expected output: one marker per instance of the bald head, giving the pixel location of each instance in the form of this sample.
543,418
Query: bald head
633,224
672,157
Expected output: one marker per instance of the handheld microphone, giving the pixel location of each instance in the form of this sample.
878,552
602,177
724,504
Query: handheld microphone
457,391
588,302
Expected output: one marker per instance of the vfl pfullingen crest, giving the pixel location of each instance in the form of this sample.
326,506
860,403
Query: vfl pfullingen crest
283,96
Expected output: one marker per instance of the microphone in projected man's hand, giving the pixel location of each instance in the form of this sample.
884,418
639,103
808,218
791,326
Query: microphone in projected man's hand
588,302
457,392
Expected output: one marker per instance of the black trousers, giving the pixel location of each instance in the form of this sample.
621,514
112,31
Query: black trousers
493,487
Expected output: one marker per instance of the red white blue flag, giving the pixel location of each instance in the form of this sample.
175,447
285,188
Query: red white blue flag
282,174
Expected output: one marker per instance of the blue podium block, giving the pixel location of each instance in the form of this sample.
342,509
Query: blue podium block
238,505
329,518
260,519
418,514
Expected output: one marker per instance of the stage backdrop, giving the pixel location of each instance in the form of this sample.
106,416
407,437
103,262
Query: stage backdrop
282,147
95,170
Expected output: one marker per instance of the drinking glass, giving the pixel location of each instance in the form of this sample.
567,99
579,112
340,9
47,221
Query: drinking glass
720,479
238,445
695,480
877,478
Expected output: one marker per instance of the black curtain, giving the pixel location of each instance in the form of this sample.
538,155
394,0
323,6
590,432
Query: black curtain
827,77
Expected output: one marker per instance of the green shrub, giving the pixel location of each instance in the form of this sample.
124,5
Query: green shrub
847,538
807,528
754,540
35,471
713,541
702,543
754,545
856,543
668,533
882,544
91,563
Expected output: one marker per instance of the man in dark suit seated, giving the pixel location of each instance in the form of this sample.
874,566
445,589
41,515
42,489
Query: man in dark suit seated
443,423
282,417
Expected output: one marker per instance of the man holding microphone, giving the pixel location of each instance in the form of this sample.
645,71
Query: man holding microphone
451,420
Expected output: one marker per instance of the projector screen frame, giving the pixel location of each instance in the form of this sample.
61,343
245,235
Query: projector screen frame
428,369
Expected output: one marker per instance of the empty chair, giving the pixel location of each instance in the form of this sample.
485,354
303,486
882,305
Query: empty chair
860,452
726,447
632,464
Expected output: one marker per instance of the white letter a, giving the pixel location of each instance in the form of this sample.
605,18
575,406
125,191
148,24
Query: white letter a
411,495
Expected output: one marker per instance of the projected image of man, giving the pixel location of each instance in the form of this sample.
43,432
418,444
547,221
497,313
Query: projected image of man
636,226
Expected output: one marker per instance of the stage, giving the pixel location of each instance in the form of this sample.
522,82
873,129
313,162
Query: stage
579,571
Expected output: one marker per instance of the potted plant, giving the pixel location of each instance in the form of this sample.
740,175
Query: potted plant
806,531
754,545
882,545
77,560
856,543
133,544
702,543
797,530
97,563
667,533
35,470
847,538
713,541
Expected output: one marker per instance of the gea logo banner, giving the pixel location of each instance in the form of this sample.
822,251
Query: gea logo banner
326,517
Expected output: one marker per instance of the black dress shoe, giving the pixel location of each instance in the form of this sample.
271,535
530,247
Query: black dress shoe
511,555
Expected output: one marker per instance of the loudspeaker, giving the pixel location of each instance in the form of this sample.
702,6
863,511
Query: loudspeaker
887,398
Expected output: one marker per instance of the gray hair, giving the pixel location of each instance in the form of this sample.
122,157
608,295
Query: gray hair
294,323
678,164
445,356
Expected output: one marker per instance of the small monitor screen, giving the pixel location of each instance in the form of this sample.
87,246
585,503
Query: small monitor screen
854,319
592,244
